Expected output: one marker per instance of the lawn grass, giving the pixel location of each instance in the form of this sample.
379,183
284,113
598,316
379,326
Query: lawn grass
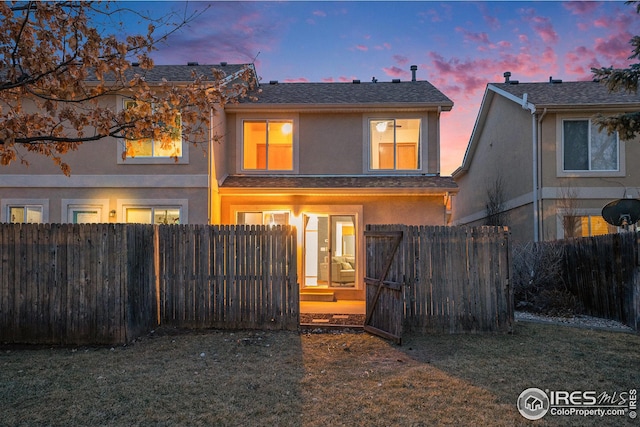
251,378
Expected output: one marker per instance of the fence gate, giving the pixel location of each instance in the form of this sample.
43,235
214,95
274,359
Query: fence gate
384,296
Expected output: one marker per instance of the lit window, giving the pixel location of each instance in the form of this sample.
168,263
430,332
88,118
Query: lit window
263,218
585,148
148,147
585,226
25,214
153,215
268,145
394,144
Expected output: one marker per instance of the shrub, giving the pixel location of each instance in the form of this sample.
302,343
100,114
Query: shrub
537,280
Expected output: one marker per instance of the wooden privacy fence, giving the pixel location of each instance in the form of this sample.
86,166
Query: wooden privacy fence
73,284
228,276
108,283
604,273
454,279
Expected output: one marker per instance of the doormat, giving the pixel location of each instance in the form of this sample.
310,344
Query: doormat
321,319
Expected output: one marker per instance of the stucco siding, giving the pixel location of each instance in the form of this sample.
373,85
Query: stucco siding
503,151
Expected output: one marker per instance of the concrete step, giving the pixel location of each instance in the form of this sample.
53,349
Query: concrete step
317,296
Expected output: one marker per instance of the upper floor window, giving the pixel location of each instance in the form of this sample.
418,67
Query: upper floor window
267,145
394,144
169,147
586,149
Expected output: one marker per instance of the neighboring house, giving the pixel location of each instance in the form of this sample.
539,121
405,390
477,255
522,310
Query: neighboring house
151,187
328,158
547,169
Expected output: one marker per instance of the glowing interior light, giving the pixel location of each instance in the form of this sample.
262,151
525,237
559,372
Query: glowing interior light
381,126
287,128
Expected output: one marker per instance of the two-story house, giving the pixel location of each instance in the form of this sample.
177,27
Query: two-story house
537,155
328,158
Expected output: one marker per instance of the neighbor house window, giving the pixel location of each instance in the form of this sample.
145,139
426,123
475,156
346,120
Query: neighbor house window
586,225
85,211
152,215
586,148
267,145
148,147
262,218
25,214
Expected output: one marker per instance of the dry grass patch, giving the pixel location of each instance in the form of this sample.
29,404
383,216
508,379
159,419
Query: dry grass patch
289,379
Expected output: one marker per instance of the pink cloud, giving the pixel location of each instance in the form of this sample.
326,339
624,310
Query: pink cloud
383,46
581,7
544,28
296,80
401,59
361,47
615,48
492,21
474,37
394,71
319,13
541,25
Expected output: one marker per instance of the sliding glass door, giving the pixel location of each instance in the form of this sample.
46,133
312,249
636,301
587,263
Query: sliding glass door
329,250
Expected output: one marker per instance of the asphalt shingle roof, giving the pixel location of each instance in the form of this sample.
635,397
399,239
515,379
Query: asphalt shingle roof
568,93
178,73
410,92
340,182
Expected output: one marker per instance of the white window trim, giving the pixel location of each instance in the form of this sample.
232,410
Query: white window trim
123,204
422,150
148,160
240,119
70,205
5,204
262,212
560,152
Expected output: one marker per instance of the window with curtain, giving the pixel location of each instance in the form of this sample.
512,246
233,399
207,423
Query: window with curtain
586,148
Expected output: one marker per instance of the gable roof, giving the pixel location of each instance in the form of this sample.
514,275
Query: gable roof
568,94
181,73
588,96
414,95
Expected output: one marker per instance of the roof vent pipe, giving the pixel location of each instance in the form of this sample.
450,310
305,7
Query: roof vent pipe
414,68
554,81
507,75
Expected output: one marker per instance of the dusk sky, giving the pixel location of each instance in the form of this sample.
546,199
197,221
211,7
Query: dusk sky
458,46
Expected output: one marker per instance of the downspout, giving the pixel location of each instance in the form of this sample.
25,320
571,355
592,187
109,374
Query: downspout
534,146
210,171
538,157
438,146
